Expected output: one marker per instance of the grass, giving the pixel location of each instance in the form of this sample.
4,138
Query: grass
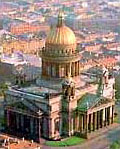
115,145
74,140
117,118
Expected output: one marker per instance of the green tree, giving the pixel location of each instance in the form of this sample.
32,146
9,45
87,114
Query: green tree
3,88
115,145
117,88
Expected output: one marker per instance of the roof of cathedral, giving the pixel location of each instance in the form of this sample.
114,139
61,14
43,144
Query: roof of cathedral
88,101
61,34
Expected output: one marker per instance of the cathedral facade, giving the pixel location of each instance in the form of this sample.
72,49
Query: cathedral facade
60,104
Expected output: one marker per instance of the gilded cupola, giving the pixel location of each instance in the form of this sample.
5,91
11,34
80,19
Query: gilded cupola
61,34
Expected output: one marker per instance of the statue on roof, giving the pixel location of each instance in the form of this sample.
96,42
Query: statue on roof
68,86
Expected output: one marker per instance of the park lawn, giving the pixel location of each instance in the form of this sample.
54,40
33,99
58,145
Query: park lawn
74,140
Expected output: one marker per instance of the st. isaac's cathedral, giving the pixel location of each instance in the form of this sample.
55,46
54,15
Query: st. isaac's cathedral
61,103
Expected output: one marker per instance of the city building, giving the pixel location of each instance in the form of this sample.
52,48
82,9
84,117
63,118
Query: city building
19,65
61,103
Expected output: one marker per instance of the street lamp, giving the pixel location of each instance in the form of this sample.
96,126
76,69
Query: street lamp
39,114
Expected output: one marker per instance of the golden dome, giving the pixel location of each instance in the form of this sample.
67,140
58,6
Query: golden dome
61,34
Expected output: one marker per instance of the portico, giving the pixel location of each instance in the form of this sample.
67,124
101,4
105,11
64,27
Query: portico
94,117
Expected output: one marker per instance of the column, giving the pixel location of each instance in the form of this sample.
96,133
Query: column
22,123
108,113
113,108
90,123
67,69
39,129
70,68
57,70
49,127
8,118
75,122
86,124
72,130
105,122
17,120
43,68
94,121
98,119
73,69
81,122
31,125
36,126
79,67
51,65
101,118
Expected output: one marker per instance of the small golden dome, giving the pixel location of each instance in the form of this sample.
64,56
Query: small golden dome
61,34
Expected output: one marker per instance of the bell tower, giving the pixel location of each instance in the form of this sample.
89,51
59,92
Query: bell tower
68,91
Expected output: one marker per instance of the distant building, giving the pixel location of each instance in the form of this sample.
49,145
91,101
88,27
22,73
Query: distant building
18,66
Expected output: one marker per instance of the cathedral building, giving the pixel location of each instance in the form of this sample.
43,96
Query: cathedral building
60,103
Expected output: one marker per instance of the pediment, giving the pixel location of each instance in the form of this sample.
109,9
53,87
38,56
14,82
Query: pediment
21,107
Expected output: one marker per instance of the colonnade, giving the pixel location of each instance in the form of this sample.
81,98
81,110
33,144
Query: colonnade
24,125
57,70
86,123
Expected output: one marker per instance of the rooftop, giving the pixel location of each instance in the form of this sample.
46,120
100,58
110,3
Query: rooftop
87,101
38,90
15,143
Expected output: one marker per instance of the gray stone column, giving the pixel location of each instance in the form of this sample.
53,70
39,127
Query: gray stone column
8,118
22,122
36,126
31,125
17,121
